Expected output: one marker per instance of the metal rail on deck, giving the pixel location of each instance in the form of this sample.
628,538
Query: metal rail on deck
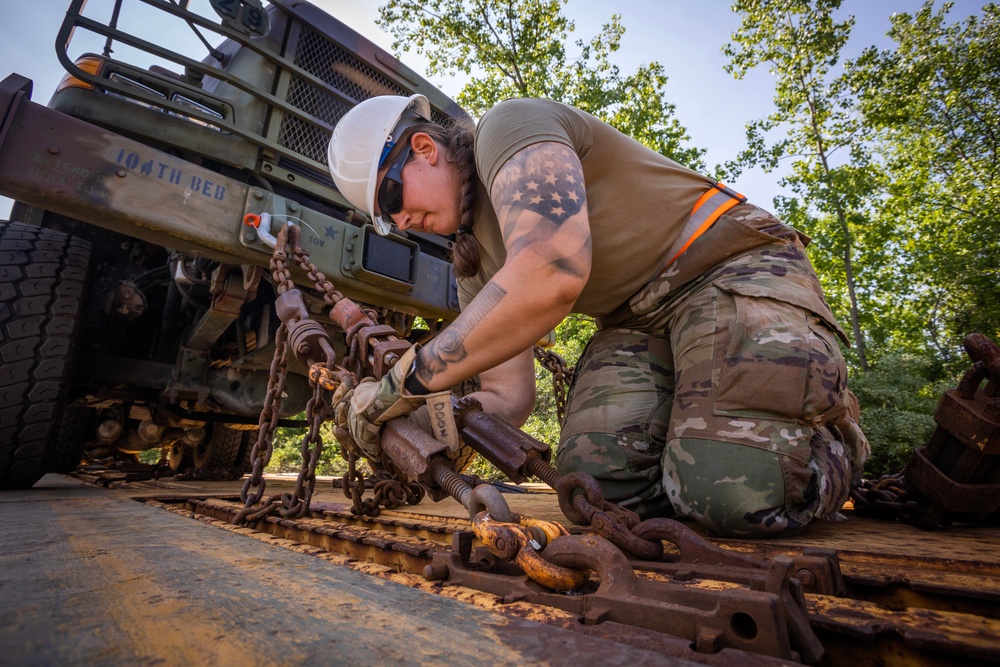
853,629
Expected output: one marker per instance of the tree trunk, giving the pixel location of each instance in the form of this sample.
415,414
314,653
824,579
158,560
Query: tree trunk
859,338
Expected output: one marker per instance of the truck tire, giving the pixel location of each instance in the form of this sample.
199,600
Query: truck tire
42,277
179,457
246,460
223,448
68,446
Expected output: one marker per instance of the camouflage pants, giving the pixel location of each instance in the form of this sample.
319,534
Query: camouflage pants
721,400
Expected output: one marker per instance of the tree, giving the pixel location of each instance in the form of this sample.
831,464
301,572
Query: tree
898,399
800,41
934,101
517,48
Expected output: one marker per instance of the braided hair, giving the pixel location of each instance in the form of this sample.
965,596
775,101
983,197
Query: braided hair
457,140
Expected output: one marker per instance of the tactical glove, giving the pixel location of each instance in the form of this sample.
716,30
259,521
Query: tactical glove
373,403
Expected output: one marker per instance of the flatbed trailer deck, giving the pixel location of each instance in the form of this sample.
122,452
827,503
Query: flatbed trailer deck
97,569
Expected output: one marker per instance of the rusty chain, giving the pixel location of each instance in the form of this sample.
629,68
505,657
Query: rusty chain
888,498
562,377
253,489
296,504
583,503
390,489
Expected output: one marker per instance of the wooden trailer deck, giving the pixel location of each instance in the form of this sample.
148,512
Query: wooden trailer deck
124,575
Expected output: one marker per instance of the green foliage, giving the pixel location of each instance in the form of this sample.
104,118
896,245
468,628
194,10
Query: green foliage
517,48
286,456
898,398
933,102
893,164
152,456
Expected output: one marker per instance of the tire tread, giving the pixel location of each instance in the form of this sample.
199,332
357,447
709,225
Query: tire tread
38,322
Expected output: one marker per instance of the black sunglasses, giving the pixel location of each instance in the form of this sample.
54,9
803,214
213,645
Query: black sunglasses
390,192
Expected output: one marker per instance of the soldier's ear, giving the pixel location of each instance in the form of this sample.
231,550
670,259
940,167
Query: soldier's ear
423,145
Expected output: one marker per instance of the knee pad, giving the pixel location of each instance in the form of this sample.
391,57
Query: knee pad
730,489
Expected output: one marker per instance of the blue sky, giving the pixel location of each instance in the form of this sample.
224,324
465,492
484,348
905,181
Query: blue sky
684,35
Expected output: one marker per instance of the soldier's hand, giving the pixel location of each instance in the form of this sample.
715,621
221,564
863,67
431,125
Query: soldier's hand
373,403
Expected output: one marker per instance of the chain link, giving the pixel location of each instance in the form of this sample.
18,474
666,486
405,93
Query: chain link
888,498
331,296
616,524
389,488
254,486
562,377
296,504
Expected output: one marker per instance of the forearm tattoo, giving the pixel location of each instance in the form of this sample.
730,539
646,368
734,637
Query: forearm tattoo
449,346
535,193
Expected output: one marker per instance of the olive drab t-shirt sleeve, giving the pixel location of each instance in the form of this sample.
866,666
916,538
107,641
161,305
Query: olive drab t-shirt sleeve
637,199
498,139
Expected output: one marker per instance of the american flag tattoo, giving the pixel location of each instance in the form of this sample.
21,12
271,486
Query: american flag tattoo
550,186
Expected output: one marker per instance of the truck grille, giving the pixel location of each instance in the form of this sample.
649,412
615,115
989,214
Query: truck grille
342,71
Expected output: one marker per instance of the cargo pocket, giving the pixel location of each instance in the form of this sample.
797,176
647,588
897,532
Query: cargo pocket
776,359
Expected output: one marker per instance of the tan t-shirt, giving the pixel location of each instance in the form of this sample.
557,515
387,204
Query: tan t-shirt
637,199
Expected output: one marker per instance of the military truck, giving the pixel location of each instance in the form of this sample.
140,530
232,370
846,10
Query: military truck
136,302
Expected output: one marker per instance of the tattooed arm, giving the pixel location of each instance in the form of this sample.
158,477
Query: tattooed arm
541,205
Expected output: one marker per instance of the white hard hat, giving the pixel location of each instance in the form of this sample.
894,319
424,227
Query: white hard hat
362,138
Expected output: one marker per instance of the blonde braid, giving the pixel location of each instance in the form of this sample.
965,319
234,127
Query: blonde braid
465,254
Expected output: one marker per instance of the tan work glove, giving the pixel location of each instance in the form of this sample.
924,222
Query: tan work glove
373,403
436,419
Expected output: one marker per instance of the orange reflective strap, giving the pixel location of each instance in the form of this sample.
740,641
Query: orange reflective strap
709,207
704,198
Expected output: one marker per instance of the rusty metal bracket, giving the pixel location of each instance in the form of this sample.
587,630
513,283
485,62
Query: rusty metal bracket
974,501
386,347
770,622
959,469
412,450
505,446
817,570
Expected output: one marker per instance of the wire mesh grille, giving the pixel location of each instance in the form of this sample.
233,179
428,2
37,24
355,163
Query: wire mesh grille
355,80
343,72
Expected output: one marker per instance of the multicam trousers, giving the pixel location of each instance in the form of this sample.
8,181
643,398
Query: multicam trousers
722,399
